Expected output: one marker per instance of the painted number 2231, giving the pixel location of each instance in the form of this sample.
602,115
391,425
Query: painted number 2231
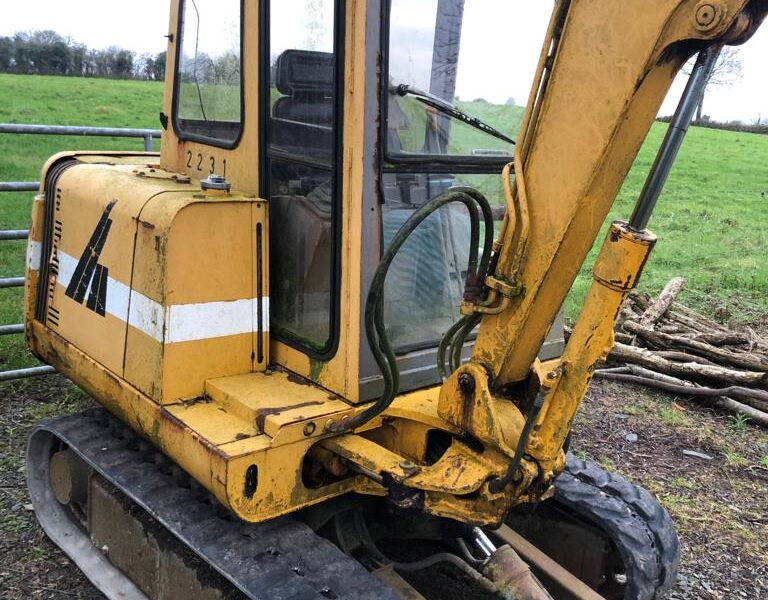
204,164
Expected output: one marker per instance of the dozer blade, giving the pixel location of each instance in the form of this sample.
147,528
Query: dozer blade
279,559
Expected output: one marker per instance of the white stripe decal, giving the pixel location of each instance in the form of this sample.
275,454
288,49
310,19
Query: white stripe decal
34,250
185,322
178,322
67,266
145,315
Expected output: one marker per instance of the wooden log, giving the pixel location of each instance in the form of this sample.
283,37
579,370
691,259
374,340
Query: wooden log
756,341
641,372
683,357
682,309
640,299
623,353
627,370
731,338
663,340
625,314
660,306
756,398
672,329
757,415
692,324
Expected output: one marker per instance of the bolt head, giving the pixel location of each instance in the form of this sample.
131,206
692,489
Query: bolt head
309,429
466,383
707,15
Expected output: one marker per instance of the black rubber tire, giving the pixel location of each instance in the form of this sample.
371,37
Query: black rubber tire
645,504
638,525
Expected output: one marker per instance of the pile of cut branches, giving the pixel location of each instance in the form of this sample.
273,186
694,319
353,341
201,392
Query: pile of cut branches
666,345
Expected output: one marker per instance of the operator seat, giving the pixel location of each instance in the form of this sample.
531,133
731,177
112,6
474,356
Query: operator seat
302,116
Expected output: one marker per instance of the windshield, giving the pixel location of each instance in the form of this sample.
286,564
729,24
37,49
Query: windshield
458,74
439,47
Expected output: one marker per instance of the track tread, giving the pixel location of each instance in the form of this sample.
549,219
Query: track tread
282,558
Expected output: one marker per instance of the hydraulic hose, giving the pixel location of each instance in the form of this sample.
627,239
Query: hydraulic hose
445,557
497,485
375,329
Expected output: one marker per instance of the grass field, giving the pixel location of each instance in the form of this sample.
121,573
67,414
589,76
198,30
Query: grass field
712,218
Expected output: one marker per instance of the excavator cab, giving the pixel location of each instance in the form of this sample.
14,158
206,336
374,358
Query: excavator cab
324,321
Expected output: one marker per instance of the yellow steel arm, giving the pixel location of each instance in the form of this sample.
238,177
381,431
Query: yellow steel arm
603,74
589,112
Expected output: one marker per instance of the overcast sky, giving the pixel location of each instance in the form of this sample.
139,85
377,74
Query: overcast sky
141,25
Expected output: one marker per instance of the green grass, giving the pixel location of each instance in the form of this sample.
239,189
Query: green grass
712,219
682,482
210,102
674,418
739,422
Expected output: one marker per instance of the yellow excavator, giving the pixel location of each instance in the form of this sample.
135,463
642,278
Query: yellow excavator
326,370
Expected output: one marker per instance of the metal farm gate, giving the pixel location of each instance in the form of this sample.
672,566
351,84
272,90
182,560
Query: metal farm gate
148,135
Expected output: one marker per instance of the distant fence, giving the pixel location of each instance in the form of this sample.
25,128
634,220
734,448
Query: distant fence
148,135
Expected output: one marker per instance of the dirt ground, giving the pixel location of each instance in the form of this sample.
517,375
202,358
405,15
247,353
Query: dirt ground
720,503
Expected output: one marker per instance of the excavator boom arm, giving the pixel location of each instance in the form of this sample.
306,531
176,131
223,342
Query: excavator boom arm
589,112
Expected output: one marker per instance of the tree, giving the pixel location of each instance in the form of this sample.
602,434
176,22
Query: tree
22,54
77,59
727,71
6,54
154,68
45,52
227,69
123,65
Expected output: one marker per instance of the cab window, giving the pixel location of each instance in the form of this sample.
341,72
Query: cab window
208,103
301,151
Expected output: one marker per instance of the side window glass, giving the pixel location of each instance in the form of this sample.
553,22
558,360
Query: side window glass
209,76
300,169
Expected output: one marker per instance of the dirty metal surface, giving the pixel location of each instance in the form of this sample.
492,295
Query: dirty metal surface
280,559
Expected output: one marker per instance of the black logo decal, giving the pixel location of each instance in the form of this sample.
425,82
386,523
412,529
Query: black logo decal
89,274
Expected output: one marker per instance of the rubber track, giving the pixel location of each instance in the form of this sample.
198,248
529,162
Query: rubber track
282,559
637,524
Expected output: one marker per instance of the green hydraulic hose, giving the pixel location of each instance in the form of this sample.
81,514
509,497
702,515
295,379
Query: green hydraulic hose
375,329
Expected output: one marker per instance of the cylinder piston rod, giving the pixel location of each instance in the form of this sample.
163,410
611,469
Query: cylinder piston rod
482,542
678,128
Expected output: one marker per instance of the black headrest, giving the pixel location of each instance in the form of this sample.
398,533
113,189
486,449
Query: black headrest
304,71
